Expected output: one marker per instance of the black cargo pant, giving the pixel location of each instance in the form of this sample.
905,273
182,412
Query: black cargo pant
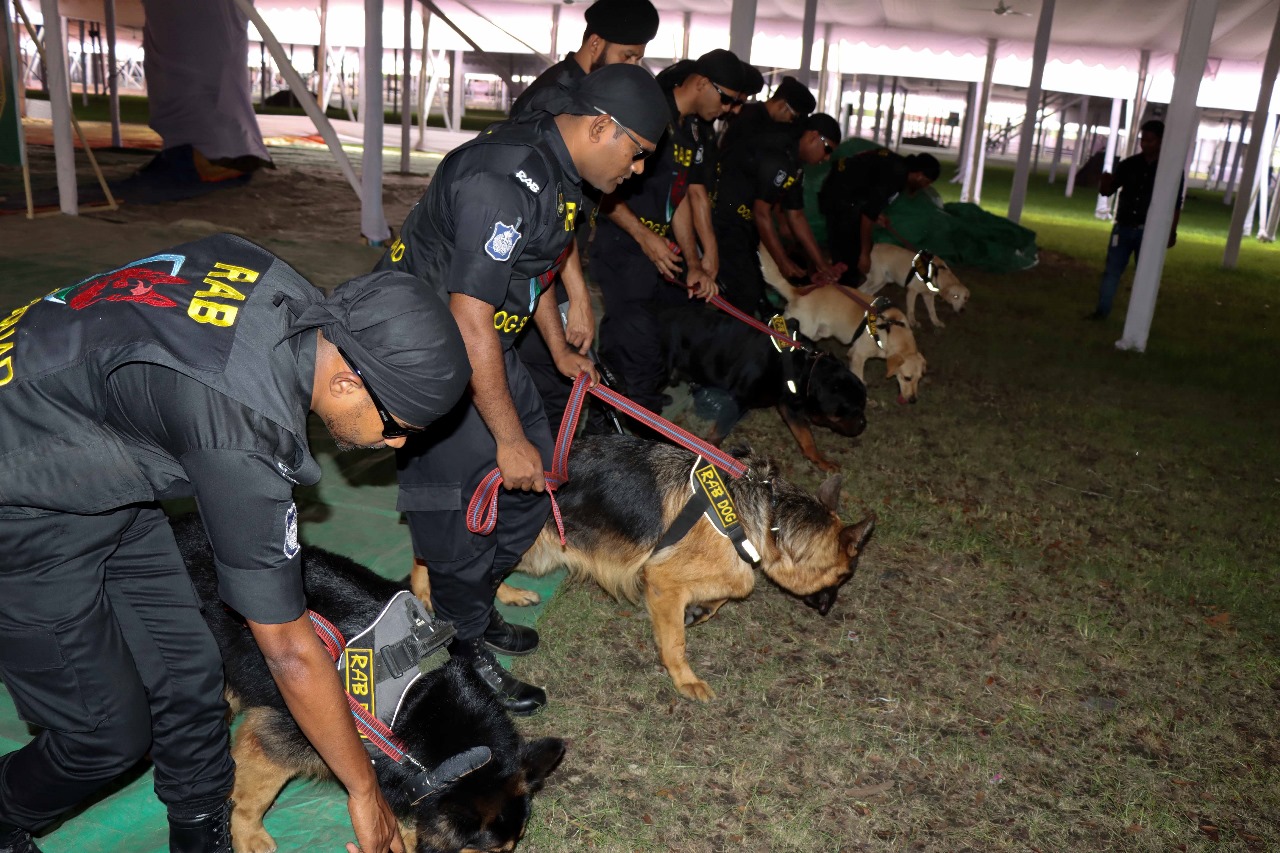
105,650
439,471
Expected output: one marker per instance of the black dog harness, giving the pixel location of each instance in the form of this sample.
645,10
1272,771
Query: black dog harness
710,498
923,268
874,319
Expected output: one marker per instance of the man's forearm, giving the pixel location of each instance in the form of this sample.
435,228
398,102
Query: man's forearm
488,386
625,218
700,212
804,234
547,318
769,235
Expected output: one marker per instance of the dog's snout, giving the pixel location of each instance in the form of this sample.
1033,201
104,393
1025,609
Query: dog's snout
822,600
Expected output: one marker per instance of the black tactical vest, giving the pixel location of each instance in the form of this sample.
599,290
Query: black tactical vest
205,309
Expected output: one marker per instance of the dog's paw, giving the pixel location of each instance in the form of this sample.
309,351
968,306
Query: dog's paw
697,689
253,841
517,597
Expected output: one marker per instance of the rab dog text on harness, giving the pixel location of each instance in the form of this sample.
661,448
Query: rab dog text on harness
710,497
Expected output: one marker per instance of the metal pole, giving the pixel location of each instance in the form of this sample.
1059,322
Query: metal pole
113,87
1270,66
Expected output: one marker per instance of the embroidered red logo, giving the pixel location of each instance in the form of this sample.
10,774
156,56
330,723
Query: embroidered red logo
132,284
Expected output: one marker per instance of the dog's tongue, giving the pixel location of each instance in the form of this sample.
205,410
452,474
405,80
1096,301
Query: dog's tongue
902,401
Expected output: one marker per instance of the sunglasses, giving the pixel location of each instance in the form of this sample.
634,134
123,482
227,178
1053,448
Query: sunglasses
390,428
827,146
726,99
641,151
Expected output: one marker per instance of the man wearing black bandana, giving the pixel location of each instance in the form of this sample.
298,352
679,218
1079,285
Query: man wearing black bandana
489,236
185,374
644,221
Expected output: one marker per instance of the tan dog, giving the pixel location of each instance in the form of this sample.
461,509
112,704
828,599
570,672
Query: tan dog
822,312
891,264
905,363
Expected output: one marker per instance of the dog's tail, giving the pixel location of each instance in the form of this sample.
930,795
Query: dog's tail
774,277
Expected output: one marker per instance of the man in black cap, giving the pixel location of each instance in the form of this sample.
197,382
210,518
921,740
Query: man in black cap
651,228
752,179
617,31
790,102
188,373
853,198
490,235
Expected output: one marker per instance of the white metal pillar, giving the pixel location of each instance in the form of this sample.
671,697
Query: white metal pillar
971,189
686,21
742,28
1102,210
1270,66
1139,103
1077,153
1235,176
1180,125
373,219
1022,170
1258,183
55,69
406,88
806,42
113,88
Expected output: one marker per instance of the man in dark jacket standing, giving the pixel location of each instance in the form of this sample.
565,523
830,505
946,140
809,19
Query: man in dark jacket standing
185,374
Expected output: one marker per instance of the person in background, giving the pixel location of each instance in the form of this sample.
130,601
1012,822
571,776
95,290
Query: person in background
790,103
1135,179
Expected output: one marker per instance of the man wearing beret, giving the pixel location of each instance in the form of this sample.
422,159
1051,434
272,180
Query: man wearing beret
853,198
643,222
752,179
188,373
791,102
489,235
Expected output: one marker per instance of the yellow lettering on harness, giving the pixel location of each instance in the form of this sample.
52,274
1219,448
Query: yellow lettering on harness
217,288
203,311
397,251
358,677
232,273
709,478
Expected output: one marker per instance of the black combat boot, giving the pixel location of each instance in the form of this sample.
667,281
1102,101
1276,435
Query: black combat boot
202,833
503,637
15,839
517,697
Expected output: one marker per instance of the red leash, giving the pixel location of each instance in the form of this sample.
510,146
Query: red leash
482,512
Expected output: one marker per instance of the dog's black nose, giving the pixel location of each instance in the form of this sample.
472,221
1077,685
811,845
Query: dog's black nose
822,600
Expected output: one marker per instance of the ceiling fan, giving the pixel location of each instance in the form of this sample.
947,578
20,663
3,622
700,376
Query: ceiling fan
1002,8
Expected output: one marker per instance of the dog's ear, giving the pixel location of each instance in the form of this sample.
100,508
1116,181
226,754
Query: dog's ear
894,363
854,537
740,451
539,758
829,492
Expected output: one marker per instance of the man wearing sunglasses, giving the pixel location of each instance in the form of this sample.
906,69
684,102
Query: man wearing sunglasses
654,226
753,178
489,235
188,373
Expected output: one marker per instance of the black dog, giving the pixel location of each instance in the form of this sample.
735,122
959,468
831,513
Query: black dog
445,712
708,347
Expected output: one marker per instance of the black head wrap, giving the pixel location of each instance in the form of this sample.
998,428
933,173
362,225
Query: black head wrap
723,68
797,96
627,92
622,21
926,164
826,126
403,339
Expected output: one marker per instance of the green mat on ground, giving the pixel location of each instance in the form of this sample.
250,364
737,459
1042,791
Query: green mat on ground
350,511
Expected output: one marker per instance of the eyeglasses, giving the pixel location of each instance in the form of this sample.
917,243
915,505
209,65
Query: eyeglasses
827,146
727,99
641,151
390,428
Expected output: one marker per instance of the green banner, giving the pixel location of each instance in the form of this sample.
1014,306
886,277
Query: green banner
10,123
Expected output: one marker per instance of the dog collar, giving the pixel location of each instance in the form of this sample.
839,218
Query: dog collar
710,498
872,321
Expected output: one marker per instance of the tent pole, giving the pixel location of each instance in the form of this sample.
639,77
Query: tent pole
1139,102
971,190
424,103
742,25
807,29
322,57
1022,168
1078,155
1270,67
1193,52
54,58
406,104
1102,210
373,220
113,88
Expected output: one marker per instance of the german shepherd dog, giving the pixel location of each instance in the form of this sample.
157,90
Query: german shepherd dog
622,495
708,347
445,712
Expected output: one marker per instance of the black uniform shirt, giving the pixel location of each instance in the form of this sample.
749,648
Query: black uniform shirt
867,182
534,96
683,157
496,222
751,120
768,170
188,440
1135,178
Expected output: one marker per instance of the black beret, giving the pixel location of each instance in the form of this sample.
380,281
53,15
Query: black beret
926,164
753,80
797,96
627,92
723,68
623,21
826,126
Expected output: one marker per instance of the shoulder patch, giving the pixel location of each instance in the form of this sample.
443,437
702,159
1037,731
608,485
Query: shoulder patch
532,173
291,546
780,177
502,242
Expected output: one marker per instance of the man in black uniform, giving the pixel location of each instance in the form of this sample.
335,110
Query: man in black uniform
617,31
187,373
790,102
853,198
752,179
646,219
490,234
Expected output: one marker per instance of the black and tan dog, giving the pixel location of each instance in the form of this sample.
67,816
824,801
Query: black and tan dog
708,347
624,493
445,712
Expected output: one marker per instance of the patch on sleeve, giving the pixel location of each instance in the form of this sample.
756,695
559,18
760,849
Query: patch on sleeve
502,242
780,177
532,173
291,546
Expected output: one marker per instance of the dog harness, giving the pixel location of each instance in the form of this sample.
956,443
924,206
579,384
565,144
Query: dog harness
874,319
923,268
710,497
